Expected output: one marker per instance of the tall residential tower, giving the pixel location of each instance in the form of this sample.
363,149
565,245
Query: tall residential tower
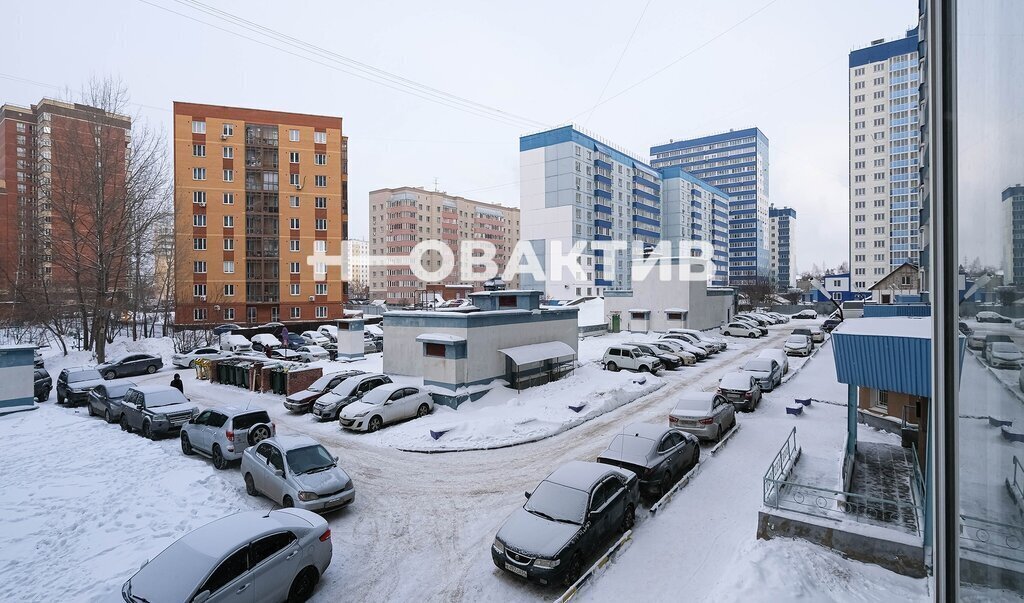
782,246
884,148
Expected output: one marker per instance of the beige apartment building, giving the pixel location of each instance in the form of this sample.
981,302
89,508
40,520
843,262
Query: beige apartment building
400,218
258,196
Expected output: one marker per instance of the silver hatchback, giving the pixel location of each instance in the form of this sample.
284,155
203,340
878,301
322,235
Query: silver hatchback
296,471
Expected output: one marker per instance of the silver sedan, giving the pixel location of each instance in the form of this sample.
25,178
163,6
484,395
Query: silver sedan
296,471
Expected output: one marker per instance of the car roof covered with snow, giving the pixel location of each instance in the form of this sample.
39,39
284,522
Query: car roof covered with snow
291,442
695,400
582,475
739,380
153,389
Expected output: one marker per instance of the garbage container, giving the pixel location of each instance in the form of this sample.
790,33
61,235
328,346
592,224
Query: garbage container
277,378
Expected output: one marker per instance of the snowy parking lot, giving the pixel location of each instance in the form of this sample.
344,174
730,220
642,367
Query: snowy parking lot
90,503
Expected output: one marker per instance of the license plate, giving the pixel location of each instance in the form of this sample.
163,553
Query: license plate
515,570
317,413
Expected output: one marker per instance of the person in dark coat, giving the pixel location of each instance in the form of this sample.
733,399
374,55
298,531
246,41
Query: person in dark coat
176,383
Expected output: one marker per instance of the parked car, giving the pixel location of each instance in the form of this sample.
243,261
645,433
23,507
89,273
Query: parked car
42,386
296,471
312,353
814,333
686,358
720,344
225,328
706,415
265,343
155,410
568,518
658,455
1002,354
976,340
798,345
741,329
966,330
806,314
329,405
830,324
249,556
302,401
130,365
372,345
767,370
233,342
294,341
188,359
385,405
272,325
777,355
760,321
991,317
757,325
670,361
708,347
1017,324
285,354
742,389
37,359
990,339
223,433
105,399
683,343
314,338
330,332
74,384
630,358
332,350
782,317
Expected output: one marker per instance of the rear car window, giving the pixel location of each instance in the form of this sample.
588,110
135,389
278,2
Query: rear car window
83,376
249,419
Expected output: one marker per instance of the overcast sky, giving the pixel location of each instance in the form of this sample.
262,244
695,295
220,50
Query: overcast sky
705,67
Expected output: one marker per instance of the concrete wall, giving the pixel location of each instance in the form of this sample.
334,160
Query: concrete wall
704,309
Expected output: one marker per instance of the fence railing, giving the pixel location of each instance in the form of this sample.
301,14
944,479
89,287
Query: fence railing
781,466
1015,486
991,538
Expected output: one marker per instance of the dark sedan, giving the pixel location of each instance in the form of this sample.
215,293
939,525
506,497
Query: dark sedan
830,324
568,518
671,361
302,401
742,389
130,365
294,341
658,455
43,385
105,399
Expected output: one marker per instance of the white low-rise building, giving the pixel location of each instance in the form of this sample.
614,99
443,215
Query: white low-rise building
659,305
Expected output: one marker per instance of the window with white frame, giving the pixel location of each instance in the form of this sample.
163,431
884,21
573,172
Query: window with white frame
199,197
229,175
293,135
229,129
229,244
199,290
229,290
320,181
199,173
199,244
229,198
293,200
321,311
296,312
229,267
293,267
293,157
321,203
199,220
294,289
293,245
321,224
199,314
321,288
320,137
198,127
199,267
293,223
229,313
229,221
199,150
229,152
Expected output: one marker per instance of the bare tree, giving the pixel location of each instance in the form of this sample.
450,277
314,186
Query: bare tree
759,290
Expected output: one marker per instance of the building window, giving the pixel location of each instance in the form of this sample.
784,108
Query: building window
321,311
293,157
294,289
293,267
320,181
293,200
199,173
199,314
199,220
293,223
229,290
320,137
229,198
321,224
229,221
199,244
880,399
229,175
229,130
229,267
321,203
198,127
199,267
321,288
199,290
320,158
199,150
199,197
293,179
293,135
229,152
296,312
229,244
229,313
433,349
320,246
293,245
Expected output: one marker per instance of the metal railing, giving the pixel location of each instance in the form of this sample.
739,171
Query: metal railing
1015,486
991,538
781,465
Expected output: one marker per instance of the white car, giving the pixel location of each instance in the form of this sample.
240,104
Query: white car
630,358
268,556
680,341
719,343
1003,354
315,337
329,331
798,345
188,359
267,341
384,405
741,329
778,356
806,314
687,358
312,353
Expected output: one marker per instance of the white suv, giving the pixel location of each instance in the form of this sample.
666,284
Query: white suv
631,358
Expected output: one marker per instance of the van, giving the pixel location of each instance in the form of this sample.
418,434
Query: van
853,309
232,342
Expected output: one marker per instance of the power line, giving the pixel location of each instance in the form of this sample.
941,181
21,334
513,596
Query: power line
619,61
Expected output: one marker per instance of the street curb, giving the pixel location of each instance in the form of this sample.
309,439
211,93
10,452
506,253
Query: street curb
573,590
675,488
725,439
793,373
1007,386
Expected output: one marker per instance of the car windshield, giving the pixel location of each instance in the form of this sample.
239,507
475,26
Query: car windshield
249,419
558,503
320,384
763,366
309,458
737,381
629,446
164,398
797,339
1002,346
88,375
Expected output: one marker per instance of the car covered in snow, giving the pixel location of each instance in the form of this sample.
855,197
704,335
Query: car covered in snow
739,328
976,340
154,410
264,343
105,399
301,401
312,353
798,345
223,433
249,556
758,325
568,518
741,389
685,357
708,346
987,316
630,358
815,333
285,354
684,342
225,328
188,359
671,361
329,405
387,404
767,370
1003,354
233,342
806,314
296,471
706,415
658,455
330,332
778,356
314,337
718,343
75,383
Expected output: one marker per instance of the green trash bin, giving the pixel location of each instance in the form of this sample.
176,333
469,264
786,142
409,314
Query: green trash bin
277,381
222,371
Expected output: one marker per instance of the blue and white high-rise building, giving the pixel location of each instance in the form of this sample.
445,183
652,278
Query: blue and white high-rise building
693,210
885,204
575,187
782,246
736,163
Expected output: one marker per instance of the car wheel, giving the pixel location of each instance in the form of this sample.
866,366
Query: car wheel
423,410
375,424
573,571
303,585
60,399
92,413
644,368
611,366
218,458
250,486
107,416
753,335
151,369
109,375
629,519
287,502
186,446
124,424
192,364
147,431
258,433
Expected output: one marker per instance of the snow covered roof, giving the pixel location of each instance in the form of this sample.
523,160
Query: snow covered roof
896,326
638,310
580,475
442,338
683,310
526,354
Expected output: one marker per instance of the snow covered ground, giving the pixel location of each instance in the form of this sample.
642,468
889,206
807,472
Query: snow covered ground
86,512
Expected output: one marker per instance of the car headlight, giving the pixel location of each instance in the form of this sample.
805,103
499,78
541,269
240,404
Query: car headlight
499,546
160,417
308,496
546,563
360,415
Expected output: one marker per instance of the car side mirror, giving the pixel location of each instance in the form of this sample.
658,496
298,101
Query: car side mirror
335,458
527,494
145,562
279,472
201,597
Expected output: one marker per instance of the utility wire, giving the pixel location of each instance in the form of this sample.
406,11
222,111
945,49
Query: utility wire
618,62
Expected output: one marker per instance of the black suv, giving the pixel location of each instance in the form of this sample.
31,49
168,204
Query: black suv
43,385
74,384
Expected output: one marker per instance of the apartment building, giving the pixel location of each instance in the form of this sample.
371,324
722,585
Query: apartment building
46,150
884,168
736,163
261,211
1013,235
782,246
693,210
401,218
578,188
356,264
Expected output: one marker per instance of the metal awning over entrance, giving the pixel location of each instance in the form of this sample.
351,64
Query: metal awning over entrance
539,352
538,363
